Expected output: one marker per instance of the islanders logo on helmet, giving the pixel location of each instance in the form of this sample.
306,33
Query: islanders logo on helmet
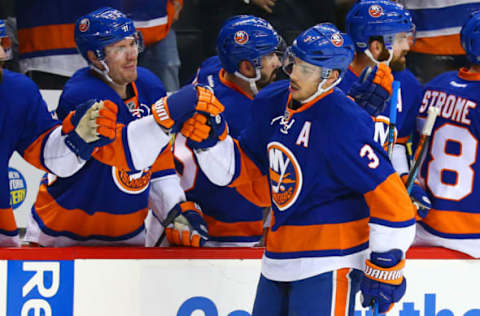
84,25
375,10
241,37
285,175
336,39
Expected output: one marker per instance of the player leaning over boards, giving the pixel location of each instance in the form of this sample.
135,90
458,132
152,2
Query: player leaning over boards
247,50
380,30
335,194
106,202
450,171
27,127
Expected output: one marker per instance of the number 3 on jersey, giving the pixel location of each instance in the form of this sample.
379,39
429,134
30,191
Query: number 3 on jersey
368,151
453,151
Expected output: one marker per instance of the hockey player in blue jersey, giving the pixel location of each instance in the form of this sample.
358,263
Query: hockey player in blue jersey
451,169
335,195
246,48
107,201
380,30
27,127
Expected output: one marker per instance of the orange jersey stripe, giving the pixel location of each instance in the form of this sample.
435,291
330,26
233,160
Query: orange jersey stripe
222,229
113,154
342,292
251,183
33,154
439,45
382,204
318,237
47,37
77,221
453,222
164,161
7,220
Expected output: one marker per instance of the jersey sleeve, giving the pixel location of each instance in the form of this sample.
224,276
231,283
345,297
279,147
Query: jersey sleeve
363,166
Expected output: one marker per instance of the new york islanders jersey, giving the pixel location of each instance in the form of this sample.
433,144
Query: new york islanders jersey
333,191
101,203
232,220
451,170
25,124
409,100
207,71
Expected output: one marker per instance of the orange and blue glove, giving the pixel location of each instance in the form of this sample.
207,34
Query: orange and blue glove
91,125
373,89
185,225
172,111
204,130
383,283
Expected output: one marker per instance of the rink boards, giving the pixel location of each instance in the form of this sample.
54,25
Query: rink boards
198,282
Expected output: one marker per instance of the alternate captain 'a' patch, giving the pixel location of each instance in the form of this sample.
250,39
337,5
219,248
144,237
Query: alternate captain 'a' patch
285,175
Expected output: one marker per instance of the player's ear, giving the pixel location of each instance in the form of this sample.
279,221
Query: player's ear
246,68
376,48
333,76
94,60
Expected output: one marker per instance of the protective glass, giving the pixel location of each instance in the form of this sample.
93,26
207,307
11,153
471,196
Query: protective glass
292,64
135,44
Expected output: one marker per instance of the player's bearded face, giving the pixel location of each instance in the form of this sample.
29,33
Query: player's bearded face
268,73
400,50
121,58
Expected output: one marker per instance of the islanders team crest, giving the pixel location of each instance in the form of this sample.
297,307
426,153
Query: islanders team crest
375,11
241,37
336,39
131,182
285,175
84,25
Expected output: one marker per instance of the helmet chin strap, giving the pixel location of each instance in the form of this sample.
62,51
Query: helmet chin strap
103,73
387,62
251,81
321,90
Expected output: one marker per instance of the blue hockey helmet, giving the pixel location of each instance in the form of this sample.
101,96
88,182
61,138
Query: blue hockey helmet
470,37
5,41
323,45
377,18
245,37
100,28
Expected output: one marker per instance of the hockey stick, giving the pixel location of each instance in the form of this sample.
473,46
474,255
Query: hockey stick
422,146
393,117
167,221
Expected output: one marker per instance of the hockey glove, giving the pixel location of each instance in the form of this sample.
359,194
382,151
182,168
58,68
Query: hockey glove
187,226
91,125
383,282
373,89
172,111
419,198
204,130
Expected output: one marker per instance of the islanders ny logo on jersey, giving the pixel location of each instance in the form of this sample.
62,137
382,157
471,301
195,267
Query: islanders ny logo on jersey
241,37
285,175
375,11
131,182
336,39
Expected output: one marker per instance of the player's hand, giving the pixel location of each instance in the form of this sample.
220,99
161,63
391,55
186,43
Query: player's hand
204,130
373,89
383,283
266,5
91,125
188,227
172,111
420,200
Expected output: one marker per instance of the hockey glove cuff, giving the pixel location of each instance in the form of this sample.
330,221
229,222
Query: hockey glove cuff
383,282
